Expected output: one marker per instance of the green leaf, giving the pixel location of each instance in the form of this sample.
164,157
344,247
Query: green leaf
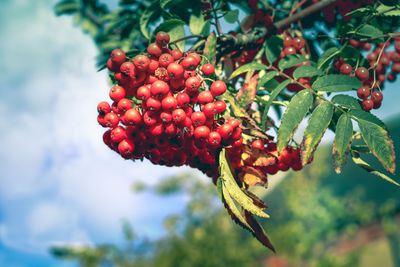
266,78
89,27
327,57
369,31
210,49
319,121
197,23
272,96
384,8
232,16
357,160
306,71
273,48
361,114
248,67
341,144
165,3
346,101
234,190
174,27
379,141
336,83
145,19
66,7
291,61
294,114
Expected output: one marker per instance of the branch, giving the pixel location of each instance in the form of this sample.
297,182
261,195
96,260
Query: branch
227,43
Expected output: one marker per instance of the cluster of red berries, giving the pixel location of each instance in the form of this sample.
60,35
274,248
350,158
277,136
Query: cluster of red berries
375,76
206,9
343,7
162,110
260,15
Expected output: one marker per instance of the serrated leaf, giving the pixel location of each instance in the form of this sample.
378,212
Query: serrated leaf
232,16
248,67
234,190
266,78
341,144
197,23
290,61
379,141
336,83
272,96
66,7
258,231
294,114
385,9
327,57
357,160
145,19
174,27
369,31
319,121
361,114
246,94
346,101
306,71
273,48
210,49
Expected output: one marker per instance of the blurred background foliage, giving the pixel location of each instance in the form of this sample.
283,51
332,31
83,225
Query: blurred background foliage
318,218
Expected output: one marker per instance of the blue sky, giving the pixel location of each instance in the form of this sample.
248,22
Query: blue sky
58,182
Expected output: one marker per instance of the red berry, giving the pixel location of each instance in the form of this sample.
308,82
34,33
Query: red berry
169,103
287,41
208,69
124,104
101,120
182,99
225,130
198,118
126,148
192,84
118,56
143,93
205,97
209,110
103,108
290,50
159,88
189,63
132,117
177,84
175,70
372,56
154,50
220,106
150,118
165,60
362,74
298,43
128,69
346,69
178,115
201,132
214,138
367,104
117,93
218,88
396,68
153,103
258,144
112,66
156,129
111,119
162,38
376,96
118,134
234,123
363,92
176,54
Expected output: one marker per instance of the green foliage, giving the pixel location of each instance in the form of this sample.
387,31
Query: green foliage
291,61
248,67
336,83
306,71
346,101
273,48
341,145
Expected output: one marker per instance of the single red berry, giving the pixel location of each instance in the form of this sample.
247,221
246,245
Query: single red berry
141,62
372,56
391,77
118,134
205,97
214,138
156,129
111,119
143,93
177,84
162,38
192,84
178,116
101,120
118,56
225,130
201,132
159,88
376,96
112,66
189,63
363,92
103,108
117,93
258,144
124,104
218,88
220,106
198,118
175,70
208,69
354,43
154,50
165,59
367,104
128,68
150,118
290,50
234,123
362,74
165,117
396,68
107,138
132,117
237,133
182,99
170,129
298,43
176,54
126,148
346,69
209,110
169,103
287,41
366,46
153,103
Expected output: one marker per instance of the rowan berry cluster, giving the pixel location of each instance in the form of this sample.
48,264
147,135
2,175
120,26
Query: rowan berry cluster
164,110
374,77
342,7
